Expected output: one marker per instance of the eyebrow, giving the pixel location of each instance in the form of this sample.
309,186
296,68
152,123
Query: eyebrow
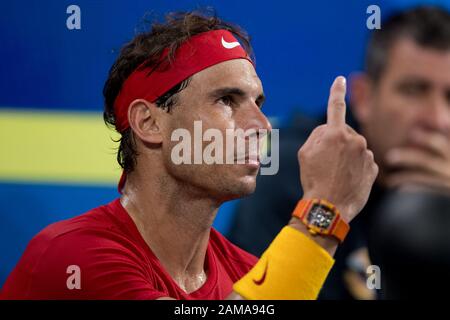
417,80
235,91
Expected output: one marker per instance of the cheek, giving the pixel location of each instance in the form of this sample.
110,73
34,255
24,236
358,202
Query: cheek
218,117
218,123
395,118
199,137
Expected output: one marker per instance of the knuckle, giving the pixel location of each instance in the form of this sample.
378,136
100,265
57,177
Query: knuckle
301,153
350,130
338,103
321,127
361,143
319,130
375,169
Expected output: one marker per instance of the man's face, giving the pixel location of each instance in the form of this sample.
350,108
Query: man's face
225,96
411,98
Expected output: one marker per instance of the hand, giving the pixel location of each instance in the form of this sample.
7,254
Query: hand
426,163
335,163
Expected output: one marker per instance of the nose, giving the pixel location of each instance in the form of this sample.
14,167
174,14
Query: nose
437,115
254,118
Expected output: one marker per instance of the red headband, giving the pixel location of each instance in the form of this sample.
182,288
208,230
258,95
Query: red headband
197,53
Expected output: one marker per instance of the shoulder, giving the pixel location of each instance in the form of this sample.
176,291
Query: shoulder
95,235
91,245
89,228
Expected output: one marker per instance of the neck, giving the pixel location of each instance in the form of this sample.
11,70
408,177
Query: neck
174,222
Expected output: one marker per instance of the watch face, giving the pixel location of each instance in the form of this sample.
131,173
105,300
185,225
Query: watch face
320,216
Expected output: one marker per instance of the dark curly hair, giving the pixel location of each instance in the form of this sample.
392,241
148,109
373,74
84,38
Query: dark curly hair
148,46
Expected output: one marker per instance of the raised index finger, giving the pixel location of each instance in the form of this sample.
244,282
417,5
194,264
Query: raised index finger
336,103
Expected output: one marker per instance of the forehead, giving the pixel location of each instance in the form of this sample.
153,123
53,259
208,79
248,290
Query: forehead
233,73
407,57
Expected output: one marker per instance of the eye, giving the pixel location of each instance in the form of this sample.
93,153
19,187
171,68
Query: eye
413,89
226,100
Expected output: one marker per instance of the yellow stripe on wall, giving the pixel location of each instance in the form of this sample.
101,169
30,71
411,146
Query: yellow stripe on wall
65,147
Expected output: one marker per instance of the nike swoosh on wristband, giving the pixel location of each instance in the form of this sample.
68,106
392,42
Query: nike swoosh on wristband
263,277
229,45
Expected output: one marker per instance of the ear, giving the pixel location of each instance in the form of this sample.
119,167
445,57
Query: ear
145,120
361,96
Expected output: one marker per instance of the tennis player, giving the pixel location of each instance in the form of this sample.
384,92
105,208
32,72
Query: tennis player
156,240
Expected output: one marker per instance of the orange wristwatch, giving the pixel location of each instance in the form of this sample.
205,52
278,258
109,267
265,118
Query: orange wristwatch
321,217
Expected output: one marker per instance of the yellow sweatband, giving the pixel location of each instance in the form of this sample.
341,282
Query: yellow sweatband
294,267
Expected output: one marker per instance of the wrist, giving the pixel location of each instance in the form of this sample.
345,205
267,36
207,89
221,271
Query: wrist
292,267
328,243
344,209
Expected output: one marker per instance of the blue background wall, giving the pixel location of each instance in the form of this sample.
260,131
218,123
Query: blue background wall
300,47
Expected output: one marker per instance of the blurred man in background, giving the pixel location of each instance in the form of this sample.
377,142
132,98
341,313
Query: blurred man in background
401,104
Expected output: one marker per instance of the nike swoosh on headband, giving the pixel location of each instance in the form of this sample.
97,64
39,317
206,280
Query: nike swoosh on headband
229,45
